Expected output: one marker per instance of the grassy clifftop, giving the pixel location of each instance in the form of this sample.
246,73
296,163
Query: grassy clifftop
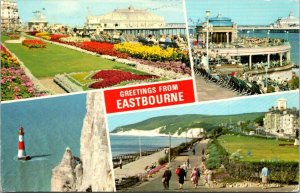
174,123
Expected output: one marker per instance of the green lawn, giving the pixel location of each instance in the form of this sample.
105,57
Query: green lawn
52,60
260,148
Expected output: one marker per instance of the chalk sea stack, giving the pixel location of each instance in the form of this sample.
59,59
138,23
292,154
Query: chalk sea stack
93,171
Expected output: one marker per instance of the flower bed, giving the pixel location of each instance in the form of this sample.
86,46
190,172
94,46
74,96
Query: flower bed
113,77
34,43
56,37
33,32
41,34
14,36
175,66
102,48
74,39
152,53
14,82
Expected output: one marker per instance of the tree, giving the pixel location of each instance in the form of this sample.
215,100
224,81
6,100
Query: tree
259,120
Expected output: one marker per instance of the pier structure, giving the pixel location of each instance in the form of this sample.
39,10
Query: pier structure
223,42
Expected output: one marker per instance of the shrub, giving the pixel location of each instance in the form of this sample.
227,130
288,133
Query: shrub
163,160
280,171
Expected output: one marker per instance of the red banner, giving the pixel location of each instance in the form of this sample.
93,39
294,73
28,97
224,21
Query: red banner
149,96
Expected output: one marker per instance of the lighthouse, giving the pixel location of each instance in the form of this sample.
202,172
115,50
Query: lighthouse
21,147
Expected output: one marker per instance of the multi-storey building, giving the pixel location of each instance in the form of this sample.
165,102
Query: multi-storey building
281,120
9,14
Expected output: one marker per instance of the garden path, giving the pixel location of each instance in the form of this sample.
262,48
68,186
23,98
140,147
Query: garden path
49,84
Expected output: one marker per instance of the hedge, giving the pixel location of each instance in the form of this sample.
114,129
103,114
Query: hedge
280,171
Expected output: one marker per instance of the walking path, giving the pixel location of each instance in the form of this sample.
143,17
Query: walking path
155,184
49,84
138,167
210,91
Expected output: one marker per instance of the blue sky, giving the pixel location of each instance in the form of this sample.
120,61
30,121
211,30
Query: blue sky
243,12
73,12
259,103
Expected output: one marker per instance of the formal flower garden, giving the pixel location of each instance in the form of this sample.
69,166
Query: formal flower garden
14,82
81,64
172,59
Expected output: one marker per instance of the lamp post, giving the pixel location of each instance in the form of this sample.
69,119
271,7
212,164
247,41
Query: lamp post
140,146
169,148
207,14
266,69
8,11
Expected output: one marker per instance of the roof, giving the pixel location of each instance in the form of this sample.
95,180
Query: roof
129,14
220,21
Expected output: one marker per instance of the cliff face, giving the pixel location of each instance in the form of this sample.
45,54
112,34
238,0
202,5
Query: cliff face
94,170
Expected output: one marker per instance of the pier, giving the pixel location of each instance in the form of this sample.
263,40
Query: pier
258,29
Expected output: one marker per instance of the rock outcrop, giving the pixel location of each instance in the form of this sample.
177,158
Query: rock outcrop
93,171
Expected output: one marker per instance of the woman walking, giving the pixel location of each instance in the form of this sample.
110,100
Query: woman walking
195,177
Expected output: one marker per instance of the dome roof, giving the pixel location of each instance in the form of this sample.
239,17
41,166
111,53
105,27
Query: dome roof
130,14
220,21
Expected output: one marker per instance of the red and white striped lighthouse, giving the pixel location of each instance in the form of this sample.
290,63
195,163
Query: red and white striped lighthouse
21,147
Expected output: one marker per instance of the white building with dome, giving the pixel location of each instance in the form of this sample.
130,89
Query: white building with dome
286,22
133,21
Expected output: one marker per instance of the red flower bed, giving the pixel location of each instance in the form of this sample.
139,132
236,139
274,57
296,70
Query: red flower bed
113,77
32,43
33,33
103,48
56,37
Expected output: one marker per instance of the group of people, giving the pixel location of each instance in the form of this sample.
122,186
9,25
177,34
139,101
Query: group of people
182,171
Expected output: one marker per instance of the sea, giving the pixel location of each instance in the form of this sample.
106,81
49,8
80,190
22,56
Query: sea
51,125
293,39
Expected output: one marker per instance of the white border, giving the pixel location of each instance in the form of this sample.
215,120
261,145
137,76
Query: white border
190,49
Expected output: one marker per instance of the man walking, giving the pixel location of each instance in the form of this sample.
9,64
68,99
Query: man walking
264,177
166,178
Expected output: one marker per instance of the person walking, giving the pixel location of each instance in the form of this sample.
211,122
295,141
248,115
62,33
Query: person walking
264,177
194,151
180,173
195,177
120,163
166,178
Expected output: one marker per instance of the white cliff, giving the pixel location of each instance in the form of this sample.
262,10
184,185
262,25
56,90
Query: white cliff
94,170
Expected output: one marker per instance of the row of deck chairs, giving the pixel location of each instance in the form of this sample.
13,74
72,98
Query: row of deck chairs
231,82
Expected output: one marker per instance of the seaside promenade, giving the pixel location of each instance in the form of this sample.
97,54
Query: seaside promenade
138,166
210,91
155,184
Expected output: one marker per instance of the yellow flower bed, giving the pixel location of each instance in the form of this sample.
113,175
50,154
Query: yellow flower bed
46,37
154,53
41,34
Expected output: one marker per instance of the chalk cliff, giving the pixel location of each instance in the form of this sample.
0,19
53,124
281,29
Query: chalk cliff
93,171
